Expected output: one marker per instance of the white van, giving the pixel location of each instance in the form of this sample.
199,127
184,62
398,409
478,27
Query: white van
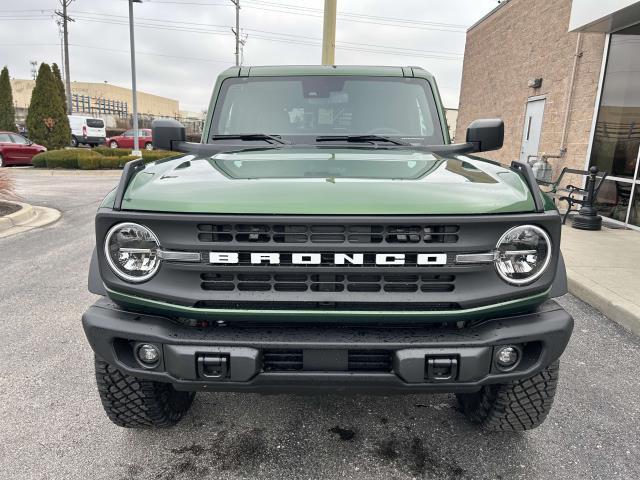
87,130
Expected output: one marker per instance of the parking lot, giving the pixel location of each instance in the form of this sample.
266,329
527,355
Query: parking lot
53,426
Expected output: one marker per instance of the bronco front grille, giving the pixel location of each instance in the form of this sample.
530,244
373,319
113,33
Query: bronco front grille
326,234
375,264
327,282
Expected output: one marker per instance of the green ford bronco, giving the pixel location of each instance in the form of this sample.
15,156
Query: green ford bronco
326,236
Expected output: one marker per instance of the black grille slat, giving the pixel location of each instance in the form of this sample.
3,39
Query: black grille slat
330,306
281,360
370,360
328,282
275,360
327,234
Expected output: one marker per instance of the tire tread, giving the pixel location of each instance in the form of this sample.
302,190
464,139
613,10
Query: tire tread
136,403
516,406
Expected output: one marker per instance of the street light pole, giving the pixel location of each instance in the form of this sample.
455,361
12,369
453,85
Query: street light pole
136,139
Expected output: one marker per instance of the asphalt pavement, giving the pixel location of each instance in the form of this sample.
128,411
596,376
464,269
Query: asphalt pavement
52,425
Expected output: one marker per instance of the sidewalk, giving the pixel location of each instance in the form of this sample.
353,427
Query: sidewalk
61,172
604,270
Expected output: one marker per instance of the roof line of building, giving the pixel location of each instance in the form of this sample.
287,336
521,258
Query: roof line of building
500,5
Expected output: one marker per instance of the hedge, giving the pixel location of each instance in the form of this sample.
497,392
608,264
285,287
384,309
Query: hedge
98,158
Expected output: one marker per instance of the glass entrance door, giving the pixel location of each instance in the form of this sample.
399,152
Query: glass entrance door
616,141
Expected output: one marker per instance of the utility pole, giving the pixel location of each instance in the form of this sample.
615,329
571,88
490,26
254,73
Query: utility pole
243,42
134,93
236,31
329,32
59,23
65,33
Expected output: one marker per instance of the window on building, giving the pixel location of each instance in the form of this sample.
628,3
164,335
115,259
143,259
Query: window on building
616,138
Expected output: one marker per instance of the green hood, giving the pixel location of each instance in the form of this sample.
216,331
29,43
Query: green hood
332,181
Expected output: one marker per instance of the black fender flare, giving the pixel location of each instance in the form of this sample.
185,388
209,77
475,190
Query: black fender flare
95,283
559,286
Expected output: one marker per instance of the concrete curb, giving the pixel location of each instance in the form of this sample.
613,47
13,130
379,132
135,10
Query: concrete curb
22,216
607,301
27,218
61,172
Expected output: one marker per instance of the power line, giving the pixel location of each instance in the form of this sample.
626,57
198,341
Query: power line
356,15
162,20
277,37
349,17
92,47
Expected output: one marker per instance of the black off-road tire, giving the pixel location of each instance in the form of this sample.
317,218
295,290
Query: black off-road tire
136,403
520,405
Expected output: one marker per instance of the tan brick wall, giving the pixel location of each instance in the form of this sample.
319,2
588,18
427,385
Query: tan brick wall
523,40
147,102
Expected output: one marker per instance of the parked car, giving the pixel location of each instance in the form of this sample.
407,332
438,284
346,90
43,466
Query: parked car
87,130
17,150
125,140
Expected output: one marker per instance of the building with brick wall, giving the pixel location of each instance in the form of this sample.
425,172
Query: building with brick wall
101,98
565,78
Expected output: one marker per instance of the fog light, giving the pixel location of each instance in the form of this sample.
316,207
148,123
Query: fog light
148,354
507,357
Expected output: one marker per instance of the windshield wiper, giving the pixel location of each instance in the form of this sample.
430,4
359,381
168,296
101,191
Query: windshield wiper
251,136
361,139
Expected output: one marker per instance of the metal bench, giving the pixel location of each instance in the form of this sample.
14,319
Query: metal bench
585,197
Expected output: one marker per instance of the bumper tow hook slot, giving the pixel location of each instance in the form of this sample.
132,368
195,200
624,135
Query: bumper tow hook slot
441,369
213,366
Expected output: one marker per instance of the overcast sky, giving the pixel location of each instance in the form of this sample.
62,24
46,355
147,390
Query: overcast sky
182,45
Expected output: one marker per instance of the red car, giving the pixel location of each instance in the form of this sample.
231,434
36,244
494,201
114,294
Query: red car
125,140
17,150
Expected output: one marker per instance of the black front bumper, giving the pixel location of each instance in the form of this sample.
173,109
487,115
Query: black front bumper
420,359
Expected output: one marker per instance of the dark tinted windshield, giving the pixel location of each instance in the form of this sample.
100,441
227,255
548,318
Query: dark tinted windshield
328,105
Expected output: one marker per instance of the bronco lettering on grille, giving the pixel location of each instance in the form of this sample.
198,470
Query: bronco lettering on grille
230,258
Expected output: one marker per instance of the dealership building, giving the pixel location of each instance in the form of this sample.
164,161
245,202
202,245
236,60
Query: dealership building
565,77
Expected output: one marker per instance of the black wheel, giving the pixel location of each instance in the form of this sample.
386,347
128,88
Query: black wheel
113,144
520,405
136,403
74,141
148,146
1,161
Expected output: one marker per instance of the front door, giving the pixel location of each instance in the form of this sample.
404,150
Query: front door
532,129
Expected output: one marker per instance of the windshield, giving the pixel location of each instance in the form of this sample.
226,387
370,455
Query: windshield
397,107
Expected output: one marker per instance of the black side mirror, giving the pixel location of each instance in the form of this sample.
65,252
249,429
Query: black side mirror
167,132
486,134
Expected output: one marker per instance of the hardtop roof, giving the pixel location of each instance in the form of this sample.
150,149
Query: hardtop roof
301,70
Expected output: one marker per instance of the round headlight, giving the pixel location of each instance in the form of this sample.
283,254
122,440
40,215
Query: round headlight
132,252
523,254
